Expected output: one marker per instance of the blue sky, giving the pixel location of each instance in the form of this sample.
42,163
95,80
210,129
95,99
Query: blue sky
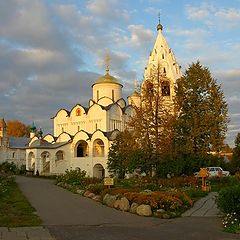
52,51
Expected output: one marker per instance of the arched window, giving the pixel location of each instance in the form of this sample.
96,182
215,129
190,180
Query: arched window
98,148
81,149
59,155
165,88
78,112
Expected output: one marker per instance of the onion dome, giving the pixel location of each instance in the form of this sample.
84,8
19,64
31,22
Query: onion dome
33,127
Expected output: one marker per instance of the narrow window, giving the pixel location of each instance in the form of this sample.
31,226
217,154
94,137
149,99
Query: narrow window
165,88
97,95
62,129
96,126
164,70
113,95
78,128
162,56
13,155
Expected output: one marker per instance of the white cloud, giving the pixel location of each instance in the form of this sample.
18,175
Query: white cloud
197,13
214,16
107,9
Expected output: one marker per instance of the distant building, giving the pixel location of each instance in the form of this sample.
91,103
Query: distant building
12,149
83,135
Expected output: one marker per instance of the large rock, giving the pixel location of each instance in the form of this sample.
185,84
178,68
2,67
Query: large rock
122,204
97,198
109,200
144,210
133,208
80,191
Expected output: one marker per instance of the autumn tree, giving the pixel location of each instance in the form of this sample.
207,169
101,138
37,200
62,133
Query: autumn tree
153,122
16,128
203,112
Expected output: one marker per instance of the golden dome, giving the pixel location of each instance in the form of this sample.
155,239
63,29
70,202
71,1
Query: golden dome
107,78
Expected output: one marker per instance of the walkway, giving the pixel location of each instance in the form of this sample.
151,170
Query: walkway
69,216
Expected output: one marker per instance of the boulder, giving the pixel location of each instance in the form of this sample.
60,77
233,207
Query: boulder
124,204
87,193
91,195
80,191
109,200
96,198
144,210
117,204
133,208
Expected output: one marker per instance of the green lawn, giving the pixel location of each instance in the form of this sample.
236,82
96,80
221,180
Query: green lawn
15,210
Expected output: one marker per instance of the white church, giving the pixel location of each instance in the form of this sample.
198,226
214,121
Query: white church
83,135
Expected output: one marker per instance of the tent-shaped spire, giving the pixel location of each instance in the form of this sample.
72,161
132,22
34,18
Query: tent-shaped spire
162,56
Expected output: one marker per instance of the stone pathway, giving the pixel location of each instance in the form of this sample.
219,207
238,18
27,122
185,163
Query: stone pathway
205,207
25,233
68,216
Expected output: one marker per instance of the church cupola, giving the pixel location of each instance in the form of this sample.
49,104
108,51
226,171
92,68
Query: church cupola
134,98
33,130
107,87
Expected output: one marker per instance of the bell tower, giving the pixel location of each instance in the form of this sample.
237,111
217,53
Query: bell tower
3,133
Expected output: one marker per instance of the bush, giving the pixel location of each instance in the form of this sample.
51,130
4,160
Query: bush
9,168
73,177
229,200
96,188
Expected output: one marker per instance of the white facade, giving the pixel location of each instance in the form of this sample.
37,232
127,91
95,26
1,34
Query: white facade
82,136
12,149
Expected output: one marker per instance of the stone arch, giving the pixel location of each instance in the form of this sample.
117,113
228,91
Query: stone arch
81,149
31,161
45,162
98,148
98,171
59,155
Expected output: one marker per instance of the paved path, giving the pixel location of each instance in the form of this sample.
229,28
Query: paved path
69,216
205,207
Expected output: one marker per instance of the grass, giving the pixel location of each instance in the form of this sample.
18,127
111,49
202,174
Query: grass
15,210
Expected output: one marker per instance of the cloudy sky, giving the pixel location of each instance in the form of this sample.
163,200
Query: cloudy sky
51,51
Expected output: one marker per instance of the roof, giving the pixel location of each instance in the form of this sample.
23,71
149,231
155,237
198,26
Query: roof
107,78
18,142
43,144
135,94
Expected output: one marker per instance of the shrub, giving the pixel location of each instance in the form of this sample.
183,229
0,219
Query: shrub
229,199
169,201
72,177
96,188
9,168
231,222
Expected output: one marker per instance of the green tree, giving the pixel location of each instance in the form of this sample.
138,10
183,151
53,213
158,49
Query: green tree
203,113
235,163
120,154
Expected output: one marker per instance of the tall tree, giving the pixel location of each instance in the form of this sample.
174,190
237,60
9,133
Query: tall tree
235,163
16,128
153,121
203,112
